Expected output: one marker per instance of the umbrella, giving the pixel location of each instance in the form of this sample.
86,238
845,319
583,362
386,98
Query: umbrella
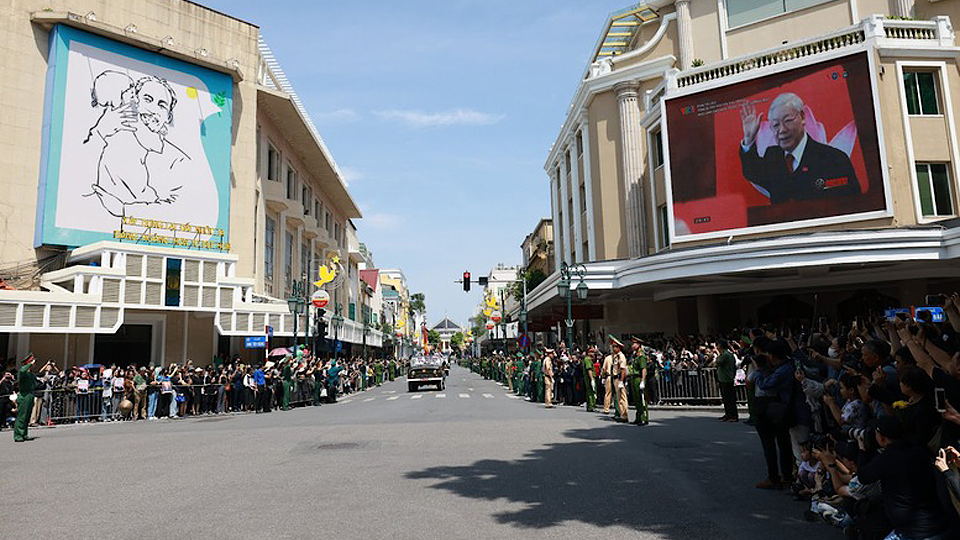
279,351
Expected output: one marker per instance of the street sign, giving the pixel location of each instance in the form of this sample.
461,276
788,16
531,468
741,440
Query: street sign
320,299
524,341
255,342
268,330
339,346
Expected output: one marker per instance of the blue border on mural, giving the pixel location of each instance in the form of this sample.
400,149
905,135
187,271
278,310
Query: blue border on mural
217,142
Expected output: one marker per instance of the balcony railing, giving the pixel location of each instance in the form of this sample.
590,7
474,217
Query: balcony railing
933,33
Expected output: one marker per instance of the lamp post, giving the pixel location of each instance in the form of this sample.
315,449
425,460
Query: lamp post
566,288
337,321
296,303
366,330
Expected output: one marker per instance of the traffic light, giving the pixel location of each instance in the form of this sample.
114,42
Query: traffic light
320,326
466,282
482,281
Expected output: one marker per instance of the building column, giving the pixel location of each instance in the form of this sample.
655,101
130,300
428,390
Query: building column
555,217
904,8
577,249
685,31
564,209
588,185
632,165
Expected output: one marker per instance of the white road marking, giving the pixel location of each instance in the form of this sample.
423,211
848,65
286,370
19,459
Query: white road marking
471,389
441,395
488,395
369,399
389,392
418,396
464,395
393,398
345,401
511,396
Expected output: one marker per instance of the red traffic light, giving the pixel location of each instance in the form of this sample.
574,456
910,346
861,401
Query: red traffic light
466,282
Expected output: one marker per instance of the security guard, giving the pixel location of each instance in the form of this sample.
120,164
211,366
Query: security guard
26,383
620,384
638,372
548,378
589,380
606,371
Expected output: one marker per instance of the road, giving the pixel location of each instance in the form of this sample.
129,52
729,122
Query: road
469,462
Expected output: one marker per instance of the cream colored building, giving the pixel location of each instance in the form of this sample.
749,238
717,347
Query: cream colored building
158,290
613,195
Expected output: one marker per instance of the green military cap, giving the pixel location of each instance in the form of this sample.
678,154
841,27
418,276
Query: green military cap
615,341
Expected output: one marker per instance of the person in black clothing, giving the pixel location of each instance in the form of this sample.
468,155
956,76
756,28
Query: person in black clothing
6,390
908,483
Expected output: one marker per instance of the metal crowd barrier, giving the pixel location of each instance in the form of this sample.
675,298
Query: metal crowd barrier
693,387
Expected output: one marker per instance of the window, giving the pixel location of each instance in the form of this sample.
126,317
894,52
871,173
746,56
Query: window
268,243
316,210
336,234
353,311
291,183
329,224
740,12
583,199
307,199
933,185
259,151
172,285
921,90
273,163
288,262
656,140
663,217
305,260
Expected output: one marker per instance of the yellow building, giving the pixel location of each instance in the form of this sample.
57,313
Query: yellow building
165,187
670,176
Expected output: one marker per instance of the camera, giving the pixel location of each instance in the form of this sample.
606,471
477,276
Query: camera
819,441
937,300
866,437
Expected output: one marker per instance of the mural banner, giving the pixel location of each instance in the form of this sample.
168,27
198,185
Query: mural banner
130,133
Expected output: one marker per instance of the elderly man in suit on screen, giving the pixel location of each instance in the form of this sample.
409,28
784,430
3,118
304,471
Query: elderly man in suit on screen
797,168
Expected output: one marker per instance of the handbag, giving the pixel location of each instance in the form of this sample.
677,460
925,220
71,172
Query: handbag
323,392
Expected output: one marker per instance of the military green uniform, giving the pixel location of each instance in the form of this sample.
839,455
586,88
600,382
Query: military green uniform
637,366
377,373
588,382
27,382
287,385
537,369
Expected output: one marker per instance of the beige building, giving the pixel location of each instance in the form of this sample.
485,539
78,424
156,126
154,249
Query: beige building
538,249
174,232
654,185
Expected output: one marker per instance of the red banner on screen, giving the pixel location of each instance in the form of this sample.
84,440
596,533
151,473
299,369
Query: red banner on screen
787,147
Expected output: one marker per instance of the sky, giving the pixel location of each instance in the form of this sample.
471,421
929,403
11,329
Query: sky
440,116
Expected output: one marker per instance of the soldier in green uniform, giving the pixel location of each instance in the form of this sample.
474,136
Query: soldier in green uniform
26,383
638,378
537,373
378,373
287,382
589,380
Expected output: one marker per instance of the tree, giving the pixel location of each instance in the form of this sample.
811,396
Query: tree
433,336
533,278
418,304
457,339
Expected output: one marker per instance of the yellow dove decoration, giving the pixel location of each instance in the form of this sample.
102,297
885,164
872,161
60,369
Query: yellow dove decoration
328,272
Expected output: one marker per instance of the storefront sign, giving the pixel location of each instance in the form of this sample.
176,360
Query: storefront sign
152,231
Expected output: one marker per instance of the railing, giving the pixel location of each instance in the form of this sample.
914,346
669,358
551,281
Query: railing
692,387
895,29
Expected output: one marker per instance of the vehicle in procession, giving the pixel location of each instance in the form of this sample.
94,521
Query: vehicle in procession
426,371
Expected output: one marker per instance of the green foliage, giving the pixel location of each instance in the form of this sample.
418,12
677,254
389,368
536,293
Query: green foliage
433,336
533,279
697,62
418,304
457,339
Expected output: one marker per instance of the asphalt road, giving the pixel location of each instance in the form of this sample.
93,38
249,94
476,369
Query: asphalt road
469,462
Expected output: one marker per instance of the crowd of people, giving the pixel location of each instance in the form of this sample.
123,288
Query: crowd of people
47,395
858,419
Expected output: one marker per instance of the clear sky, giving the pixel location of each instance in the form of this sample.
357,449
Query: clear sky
440,114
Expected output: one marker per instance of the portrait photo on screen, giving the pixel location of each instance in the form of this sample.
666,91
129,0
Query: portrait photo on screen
792,146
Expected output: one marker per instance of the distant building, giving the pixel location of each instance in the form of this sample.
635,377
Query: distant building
447,329
537,247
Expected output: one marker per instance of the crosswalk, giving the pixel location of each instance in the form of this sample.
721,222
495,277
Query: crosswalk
386,396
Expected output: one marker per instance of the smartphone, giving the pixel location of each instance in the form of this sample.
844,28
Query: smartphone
940,398
901,315
935,300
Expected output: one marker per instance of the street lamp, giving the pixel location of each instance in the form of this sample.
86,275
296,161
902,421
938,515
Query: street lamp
566,290
366,330
296,304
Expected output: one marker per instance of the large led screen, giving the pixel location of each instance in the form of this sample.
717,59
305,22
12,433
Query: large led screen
786,149
130,134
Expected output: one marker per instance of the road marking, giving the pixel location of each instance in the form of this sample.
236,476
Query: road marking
471,389
418,396
346,401
511,396
369,399
488,395
441,395
393,398
464,395
389,392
